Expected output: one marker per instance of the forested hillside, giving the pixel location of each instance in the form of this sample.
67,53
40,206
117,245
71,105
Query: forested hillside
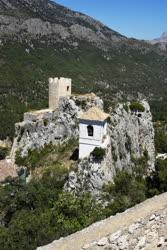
39,39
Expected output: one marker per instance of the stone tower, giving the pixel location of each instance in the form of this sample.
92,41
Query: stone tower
58,87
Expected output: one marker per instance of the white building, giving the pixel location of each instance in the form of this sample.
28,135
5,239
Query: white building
92,131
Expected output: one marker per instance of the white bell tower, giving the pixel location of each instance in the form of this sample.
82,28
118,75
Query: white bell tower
92,131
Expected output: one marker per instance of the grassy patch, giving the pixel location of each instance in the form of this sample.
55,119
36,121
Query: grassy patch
48,156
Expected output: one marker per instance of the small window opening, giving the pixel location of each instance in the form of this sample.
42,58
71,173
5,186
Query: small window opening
90,130
68,88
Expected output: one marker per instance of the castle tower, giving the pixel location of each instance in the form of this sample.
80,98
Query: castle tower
58,88
92,131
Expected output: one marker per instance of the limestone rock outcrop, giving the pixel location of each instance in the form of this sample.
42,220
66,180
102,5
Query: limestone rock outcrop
43,127
91,175
132,137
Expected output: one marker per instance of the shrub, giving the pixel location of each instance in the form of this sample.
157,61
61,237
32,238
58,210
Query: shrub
109,120
3,153
81,103
157,183
98,153
161,141
127,190
136,106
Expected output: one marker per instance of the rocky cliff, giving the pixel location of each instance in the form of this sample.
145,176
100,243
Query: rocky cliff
43,127
132,137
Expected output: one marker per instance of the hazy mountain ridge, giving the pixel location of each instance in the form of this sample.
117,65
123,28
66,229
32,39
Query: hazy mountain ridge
161,42
29,19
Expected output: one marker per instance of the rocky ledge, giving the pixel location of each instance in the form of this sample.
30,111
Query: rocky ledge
146,233
141,227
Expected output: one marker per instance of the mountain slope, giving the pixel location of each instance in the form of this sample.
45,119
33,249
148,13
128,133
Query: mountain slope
161,42
39,39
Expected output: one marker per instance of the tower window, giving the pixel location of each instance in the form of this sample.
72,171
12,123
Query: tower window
68,88
90,130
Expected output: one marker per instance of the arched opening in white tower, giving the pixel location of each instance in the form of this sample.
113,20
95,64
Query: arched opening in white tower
90,130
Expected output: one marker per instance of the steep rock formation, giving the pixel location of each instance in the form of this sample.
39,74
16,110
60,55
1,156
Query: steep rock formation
43,127
91,175
132,137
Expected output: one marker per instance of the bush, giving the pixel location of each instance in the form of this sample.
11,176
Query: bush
40,212
42,157
98,153
136,106
109,120
3,153
161,141
157,183
81,103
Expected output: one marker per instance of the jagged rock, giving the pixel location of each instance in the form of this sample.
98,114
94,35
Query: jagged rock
152,217
103,241
132,134
132,137
141,243
160,242
133,227
91,175
43,127
115,236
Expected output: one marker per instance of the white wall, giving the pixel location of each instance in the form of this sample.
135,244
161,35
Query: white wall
85,150
88,143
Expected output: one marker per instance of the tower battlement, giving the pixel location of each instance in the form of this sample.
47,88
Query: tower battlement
58,87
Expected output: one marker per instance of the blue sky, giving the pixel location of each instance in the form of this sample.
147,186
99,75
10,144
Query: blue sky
142,19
